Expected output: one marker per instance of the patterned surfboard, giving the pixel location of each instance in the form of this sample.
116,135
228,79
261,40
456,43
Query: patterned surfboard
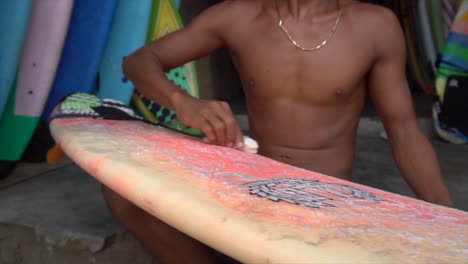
249,207
451,109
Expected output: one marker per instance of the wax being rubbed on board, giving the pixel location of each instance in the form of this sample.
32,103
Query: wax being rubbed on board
250,145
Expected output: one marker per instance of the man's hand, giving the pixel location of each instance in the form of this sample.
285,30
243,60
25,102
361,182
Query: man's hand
214,118
443,198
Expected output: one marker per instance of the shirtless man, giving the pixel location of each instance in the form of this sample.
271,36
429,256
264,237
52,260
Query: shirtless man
303,106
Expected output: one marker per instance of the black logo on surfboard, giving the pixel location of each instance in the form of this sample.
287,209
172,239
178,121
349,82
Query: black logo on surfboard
308,193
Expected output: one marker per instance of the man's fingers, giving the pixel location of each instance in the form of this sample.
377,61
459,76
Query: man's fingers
234,136
213,124
210,136
230,129
219,128
234,133
226,107
219,125
223,131
225,125
239,139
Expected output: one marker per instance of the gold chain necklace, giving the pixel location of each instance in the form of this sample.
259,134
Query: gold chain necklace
321,45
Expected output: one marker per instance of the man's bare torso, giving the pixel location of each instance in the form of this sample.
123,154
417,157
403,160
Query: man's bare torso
303,107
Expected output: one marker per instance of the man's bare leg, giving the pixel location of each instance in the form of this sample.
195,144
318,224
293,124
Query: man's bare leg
161,240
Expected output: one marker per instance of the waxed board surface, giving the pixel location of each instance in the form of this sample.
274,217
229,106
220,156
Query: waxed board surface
255,209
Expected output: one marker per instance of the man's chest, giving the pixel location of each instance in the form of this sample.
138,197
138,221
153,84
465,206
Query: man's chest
267,59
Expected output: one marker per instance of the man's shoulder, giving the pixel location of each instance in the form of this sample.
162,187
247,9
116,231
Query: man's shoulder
236,5
230,11
240,7
244,3
370,14
379,26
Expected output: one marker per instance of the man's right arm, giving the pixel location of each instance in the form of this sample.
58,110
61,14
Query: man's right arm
146,68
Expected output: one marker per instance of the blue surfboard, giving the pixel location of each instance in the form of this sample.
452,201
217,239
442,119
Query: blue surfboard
128,33
14,17
86,38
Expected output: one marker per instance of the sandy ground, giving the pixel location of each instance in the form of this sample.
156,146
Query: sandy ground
20,245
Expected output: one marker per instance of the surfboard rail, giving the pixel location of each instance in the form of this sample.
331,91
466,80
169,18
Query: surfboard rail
255,209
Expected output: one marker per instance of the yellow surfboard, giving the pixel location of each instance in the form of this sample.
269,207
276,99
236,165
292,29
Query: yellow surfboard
166,19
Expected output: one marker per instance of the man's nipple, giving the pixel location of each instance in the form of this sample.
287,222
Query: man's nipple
252,83
339,92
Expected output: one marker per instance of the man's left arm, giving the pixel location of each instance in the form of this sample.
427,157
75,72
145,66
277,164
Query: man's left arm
389,91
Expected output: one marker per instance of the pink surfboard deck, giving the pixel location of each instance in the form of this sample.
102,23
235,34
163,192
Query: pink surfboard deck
40,55
255,209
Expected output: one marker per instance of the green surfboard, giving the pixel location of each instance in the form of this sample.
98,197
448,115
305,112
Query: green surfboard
13,148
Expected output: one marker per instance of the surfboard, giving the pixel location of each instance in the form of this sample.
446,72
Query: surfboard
453,75
423,62
86,38
165,19
455,53
40,55
454,60
407,19
129,31
437,24
14,16
448,14
14,130
430,51
249,207
87,35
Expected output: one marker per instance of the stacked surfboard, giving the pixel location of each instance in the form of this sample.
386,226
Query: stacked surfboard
82,51
426,25
14,16
450,111
38,62
164,20
437,48
57,48
127,35
51,49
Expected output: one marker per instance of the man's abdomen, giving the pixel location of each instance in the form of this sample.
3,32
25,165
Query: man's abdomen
336,160
320,138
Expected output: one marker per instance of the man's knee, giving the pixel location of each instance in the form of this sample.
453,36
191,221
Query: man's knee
124,210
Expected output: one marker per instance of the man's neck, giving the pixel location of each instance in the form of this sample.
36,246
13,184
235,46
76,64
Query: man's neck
298,9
